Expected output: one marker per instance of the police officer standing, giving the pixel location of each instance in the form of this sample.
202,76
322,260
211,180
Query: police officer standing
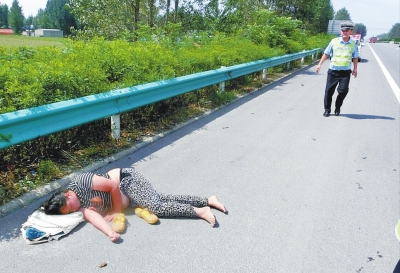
343,51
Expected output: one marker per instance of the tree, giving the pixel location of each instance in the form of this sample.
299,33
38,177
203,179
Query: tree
176,11
107,18
167,11
4,16
191,16
121,19
59,16
314,14
360,29
242,7
383,36
213,14
16,19
324,13
150,12
28,22
342,14
394,32
41,20
136,11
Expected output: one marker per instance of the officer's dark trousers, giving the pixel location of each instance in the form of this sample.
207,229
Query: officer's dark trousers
335,78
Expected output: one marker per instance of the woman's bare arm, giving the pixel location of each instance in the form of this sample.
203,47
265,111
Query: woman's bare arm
103,184
100,223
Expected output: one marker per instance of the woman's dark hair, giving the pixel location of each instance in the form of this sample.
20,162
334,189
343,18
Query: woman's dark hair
54,205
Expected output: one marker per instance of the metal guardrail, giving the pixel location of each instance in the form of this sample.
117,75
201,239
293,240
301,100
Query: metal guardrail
28,124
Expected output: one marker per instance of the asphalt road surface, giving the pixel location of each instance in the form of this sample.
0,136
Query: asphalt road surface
305,193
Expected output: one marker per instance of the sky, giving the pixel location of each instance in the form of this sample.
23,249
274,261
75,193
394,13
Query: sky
377,16
29,7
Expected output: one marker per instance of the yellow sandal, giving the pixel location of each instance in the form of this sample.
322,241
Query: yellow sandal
118,224
147,215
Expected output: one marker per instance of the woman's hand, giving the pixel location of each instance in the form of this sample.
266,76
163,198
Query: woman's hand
114,236
101,223
109,217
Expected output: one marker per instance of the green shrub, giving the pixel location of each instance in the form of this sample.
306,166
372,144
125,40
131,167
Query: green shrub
47,169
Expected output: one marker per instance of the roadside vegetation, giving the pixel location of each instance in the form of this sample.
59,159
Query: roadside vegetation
32,77
392,36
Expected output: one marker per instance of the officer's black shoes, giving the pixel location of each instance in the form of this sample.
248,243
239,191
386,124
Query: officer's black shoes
327,112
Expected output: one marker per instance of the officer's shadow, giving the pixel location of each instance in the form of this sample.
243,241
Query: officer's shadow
362,116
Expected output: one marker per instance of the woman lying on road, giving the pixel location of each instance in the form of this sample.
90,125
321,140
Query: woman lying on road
108,194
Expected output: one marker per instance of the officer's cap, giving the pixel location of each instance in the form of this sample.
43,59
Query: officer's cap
346,26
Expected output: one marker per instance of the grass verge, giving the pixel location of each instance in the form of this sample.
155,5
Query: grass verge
19,40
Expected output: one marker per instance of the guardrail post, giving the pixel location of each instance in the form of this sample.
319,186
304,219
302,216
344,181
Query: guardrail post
222,84
288,65
302,59
115,127
264,75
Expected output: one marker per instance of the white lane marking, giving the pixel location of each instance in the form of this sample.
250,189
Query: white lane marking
392,83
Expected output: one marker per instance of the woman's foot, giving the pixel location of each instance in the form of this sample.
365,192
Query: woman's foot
206,214
214,202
